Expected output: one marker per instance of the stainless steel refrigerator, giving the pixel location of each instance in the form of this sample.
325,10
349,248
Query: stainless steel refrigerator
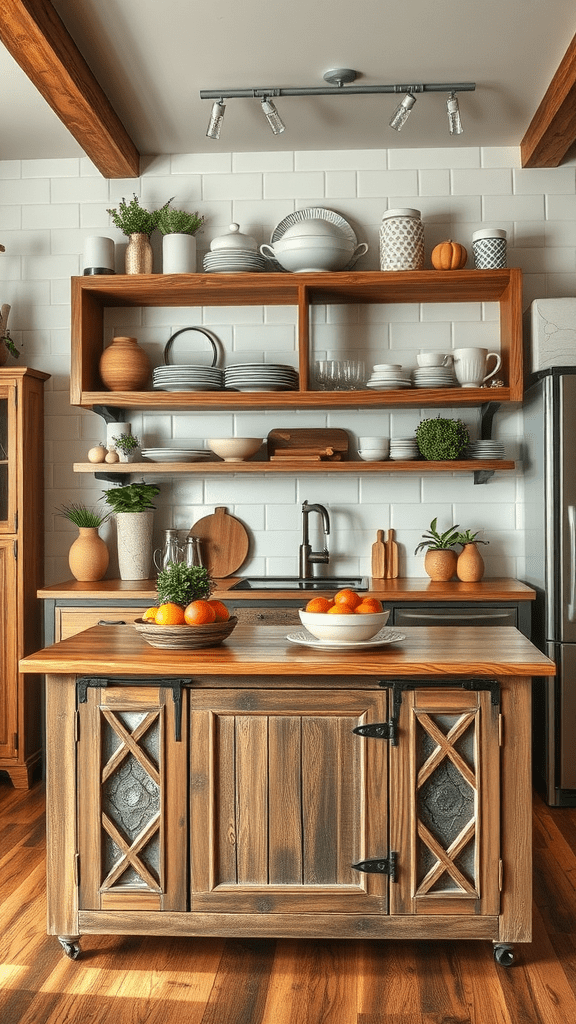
550,491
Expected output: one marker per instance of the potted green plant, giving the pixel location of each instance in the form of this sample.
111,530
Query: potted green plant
440,439
127,445
134,511
470,564
181,584
138,224
88,557
440,559
178,228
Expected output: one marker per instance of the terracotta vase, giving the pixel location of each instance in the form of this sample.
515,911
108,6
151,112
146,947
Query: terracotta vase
470,564
124,366
134,534
88,557
139,256
440,563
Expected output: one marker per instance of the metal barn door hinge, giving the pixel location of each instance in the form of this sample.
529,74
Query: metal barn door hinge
376,730
380,865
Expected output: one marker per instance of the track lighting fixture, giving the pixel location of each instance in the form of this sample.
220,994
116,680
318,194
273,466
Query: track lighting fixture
454,119
273,117
338,84
402,112
216,118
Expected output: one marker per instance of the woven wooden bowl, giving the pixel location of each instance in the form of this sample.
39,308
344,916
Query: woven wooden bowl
185,637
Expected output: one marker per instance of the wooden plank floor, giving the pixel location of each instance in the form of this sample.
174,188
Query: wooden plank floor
146,980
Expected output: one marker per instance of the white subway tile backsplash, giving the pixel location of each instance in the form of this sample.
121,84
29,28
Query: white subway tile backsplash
433,158
493,182
512,208
262,162
232,186
340,160
387,183
293,185
542,180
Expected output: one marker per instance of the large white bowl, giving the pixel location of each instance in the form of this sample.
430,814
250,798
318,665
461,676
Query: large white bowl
343,627
234,449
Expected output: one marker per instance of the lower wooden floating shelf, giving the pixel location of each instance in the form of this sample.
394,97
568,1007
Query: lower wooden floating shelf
294,466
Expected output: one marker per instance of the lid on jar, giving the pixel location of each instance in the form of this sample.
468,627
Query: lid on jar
402,212
488,233
234,240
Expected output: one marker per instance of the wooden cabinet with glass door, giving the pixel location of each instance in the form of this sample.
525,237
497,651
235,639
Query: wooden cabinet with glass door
21,566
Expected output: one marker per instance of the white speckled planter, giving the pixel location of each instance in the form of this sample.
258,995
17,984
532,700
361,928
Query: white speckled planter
134,536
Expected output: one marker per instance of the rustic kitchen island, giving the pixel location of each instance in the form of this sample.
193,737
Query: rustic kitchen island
266,788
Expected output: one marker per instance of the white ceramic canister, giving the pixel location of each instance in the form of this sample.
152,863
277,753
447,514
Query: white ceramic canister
489,248
401,240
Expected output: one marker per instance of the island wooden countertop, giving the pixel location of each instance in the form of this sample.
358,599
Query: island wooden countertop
401,589
265,651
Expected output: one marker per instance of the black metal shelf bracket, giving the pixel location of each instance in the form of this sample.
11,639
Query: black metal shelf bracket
487,414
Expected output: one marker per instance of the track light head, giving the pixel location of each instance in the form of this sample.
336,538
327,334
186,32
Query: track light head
216,118
402,112
454,119
272,116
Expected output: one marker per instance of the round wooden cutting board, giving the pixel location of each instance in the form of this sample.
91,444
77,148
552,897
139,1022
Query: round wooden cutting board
224,542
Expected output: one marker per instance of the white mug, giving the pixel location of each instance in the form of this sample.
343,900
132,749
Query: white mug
470,365
433,359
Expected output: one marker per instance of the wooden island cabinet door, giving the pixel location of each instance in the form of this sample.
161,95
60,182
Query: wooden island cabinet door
284,800
132,791
445,803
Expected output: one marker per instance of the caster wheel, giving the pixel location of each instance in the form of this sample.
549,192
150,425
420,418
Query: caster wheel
71,949
504,954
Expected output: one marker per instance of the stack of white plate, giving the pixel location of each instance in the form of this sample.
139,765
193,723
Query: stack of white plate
389,377
403,448
233,261
485,450
187,377
261,377
175,454
434,377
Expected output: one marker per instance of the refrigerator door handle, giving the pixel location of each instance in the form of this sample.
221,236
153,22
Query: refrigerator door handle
571,510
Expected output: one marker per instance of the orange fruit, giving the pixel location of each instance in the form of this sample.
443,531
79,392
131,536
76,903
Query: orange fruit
319,605
222,613
198,613
340,609
368,606
150,614
349,597
170,614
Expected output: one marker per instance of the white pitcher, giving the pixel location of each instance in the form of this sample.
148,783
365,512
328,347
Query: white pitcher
470,365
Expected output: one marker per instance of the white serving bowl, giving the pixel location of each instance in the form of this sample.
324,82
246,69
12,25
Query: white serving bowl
234,449
351,628
373,454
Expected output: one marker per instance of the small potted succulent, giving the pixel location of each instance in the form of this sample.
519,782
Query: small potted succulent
127,445
440,559
134,511
470,564
440,439
178,228
88,557
138,224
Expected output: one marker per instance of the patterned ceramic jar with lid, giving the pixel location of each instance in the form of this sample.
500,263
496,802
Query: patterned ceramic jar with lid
489,248
401,240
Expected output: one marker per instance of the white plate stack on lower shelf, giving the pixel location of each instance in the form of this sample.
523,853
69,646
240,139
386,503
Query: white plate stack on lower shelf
176,454
187,378
402,448
485,450
389,377
261,377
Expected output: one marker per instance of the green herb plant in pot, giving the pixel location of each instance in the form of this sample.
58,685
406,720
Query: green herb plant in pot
178,228
470,564
440,560
134,511
127,446
138,224
88,557
440,439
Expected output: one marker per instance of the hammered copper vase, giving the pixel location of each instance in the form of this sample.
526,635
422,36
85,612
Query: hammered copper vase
124,366
138,258
89,556
440,564
470,564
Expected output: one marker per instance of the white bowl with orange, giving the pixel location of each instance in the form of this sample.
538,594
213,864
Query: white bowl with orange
348,617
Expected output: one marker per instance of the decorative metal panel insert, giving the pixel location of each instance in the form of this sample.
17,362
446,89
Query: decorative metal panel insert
447,804
131,800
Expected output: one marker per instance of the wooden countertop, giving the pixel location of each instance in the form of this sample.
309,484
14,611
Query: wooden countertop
265,651
401,589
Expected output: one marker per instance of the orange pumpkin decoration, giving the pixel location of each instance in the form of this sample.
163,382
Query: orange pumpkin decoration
449,256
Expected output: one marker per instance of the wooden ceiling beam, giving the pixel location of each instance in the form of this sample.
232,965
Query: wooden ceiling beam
37,39
552,131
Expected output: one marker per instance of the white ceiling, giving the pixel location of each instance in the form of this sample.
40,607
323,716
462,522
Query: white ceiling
152,58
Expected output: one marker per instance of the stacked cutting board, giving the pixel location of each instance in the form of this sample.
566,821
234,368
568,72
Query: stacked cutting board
385,557
302,445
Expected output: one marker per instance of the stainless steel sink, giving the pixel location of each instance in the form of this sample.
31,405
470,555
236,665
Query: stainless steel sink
296,583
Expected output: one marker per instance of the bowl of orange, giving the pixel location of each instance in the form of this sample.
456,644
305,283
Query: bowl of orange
202,623
348,617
